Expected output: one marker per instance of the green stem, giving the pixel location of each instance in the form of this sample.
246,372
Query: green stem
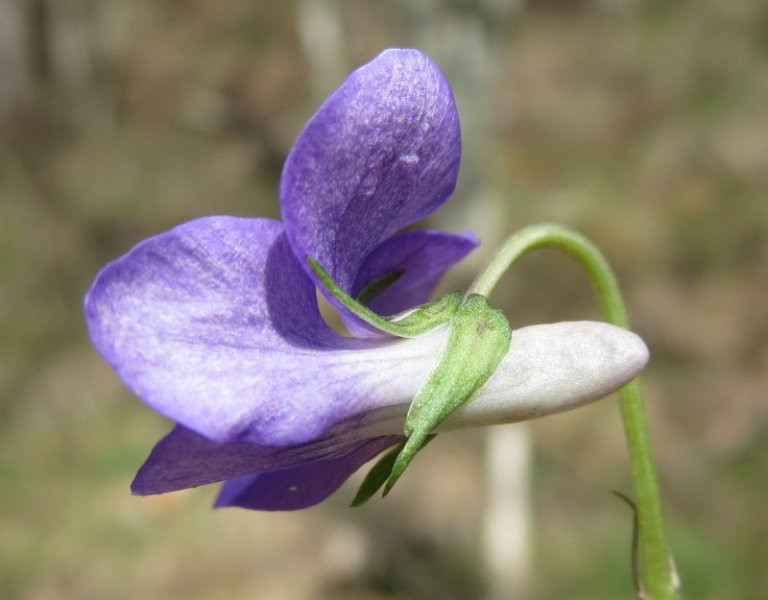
658,575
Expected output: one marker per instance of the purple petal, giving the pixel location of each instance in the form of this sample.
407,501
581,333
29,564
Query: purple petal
185,459
423,256
549,369
299,487
215,325
381,153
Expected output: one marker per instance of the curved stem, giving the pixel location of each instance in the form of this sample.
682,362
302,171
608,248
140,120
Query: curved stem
658,575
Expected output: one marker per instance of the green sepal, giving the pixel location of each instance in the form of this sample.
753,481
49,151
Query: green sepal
379,474
411,324
478,340
375,287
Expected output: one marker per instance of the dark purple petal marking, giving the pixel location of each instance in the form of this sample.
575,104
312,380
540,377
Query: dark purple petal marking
382,152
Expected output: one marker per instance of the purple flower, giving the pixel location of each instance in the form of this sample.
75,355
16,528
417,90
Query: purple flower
215,323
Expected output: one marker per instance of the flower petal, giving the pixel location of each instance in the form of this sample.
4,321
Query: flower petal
382,152
422,256
553,368
302,486
215,325
185,459
549,369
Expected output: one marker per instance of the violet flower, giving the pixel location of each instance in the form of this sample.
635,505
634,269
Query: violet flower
215,323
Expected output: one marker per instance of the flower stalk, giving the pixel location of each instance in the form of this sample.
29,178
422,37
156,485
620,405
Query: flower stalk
658,577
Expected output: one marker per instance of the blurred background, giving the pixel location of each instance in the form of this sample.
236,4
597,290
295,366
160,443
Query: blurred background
642,123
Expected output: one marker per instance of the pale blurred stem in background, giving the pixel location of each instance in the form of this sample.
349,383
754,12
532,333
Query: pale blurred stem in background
657,574
466,41
319,26
507,518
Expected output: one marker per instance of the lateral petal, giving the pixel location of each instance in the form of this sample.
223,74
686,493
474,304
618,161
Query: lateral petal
420,259
215,325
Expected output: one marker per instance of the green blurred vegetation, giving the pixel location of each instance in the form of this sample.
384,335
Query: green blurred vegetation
644,124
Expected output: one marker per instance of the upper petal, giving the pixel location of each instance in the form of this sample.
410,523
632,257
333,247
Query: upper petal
215,325
382,152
